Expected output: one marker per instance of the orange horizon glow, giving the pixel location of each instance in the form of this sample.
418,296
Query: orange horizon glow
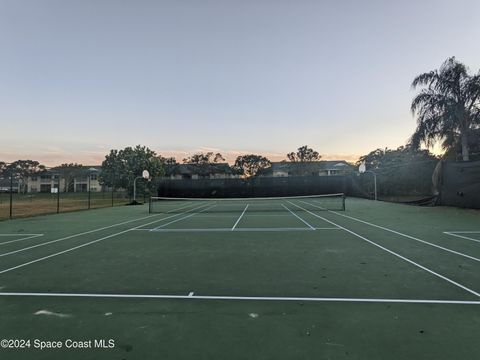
96,158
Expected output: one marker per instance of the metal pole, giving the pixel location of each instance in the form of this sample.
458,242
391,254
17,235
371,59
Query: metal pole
58,194
135,190
374,182
11,195
113,179
89,190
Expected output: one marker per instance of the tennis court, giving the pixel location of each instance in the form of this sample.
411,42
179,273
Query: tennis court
284,278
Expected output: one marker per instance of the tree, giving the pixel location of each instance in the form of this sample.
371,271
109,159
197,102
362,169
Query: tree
168,164
403,155
404,172
69,172
454,152
304,154
447,107
202,159
250,165
167,161
22,169
121,167
3,166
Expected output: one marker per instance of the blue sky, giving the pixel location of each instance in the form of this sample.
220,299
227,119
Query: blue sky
78,78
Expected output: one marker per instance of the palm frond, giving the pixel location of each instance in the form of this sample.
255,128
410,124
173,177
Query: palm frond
425,79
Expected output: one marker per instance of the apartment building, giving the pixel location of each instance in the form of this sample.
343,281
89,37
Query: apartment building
77,181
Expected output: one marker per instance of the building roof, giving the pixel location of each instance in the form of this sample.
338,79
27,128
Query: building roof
307,167
314,165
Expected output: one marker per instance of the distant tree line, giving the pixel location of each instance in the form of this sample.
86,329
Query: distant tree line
447,109
121,167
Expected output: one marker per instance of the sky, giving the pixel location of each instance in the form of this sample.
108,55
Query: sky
78,78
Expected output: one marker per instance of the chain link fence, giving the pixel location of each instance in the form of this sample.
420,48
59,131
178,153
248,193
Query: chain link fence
409,182
262,186
458,183
50,193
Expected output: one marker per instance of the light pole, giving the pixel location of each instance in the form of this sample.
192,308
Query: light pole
113,179
57,175
146,176
11,194
363,169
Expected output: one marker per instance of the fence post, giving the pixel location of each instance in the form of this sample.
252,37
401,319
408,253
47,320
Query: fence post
11,195
89,190
58,194
113,189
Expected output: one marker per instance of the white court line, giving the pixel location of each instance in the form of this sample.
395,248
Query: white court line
17,234
456,233
462,232
396,254
233,214
236,230
28,236
298,217
401,234
83,233
186,217
240,217
89,243
191,296
274,229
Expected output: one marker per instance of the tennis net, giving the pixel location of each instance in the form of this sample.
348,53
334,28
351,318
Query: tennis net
266,204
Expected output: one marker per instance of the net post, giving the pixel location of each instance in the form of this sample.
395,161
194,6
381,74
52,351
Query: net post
343,202
150,205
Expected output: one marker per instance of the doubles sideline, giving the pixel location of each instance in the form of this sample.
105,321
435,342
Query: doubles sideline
392,252
22,237
457,234
399,233
102,239
82,233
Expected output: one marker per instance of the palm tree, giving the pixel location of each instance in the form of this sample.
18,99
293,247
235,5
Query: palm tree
447,107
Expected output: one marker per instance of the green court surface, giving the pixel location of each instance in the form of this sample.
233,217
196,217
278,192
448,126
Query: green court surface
221,281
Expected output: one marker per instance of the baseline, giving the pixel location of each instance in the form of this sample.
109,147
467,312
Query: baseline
192,296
